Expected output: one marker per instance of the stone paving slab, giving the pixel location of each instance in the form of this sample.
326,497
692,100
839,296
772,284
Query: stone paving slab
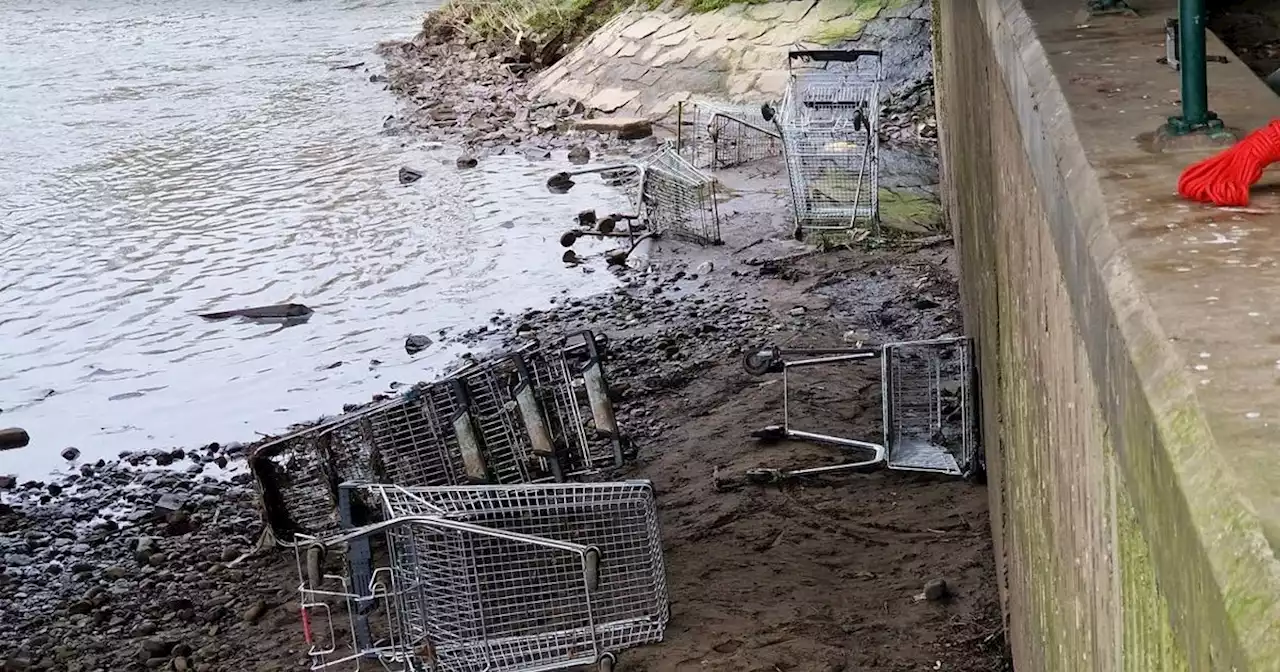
737,53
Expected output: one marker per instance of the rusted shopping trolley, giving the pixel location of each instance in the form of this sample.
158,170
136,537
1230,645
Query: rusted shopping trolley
928,399
539,413
494,578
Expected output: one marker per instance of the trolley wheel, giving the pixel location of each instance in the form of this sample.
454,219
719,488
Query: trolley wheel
760,362
767,112
315,565
606,662
602,345
770,434
860,121
764,476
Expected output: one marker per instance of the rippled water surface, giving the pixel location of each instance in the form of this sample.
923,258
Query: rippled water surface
162,158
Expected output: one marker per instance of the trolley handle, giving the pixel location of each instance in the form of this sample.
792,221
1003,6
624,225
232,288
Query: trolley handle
828,55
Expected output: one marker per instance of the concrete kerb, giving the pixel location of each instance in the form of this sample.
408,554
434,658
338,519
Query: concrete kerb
1222,596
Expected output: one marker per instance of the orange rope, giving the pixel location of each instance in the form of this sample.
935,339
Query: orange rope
1225,179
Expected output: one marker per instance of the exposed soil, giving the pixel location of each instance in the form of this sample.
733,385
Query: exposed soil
1251,28
106,570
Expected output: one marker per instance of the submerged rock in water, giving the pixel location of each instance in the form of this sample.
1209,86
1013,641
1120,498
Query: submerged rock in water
279,311
408,175
467,161
579,154
416,343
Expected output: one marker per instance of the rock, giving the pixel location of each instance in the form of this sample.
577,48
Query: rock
797,311
253,613
80,607
230,553
180,664
416,343
8,482
467,161
936,589
587,219
705,268
114,573
54,489
71,453
579,154
169,503
627,128
408,175
14,437
154,647
157,559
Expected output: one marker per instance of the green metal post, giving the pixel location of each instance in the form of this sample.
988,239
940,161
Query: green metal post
1195,85
1192,62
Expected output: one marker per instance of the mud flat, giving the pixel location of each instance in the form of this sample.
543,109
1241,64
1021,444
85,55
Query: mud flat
149,561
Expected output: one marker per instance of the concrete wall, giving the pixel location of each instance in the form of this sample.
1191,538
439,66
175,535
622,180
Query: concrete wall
1129,386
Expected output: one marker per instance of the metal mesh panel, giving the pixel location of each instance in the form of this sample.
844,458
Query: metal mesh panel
830,123
526,577
629,604
722,135
930,414
426,437
678,200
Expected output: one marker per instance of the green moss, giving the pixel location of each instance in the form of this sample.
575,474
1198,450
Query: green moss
909,212
850,25
704,6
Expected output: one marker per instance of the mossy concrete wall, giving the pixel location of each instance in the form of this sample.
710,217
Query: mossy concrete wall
1128,356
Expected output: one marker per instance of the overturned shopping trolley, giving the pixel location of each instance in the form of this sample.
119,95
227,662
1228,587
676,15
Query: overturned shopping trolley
928,398
829,121
724,135
493,578
670,197
540,413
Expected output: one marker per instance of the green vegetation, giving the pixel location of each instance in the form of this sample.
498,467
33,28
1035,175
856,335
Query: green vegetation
704,6
545,28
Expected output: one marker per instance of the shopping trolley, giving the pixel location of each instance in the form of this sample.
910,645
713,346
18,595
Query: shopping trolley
494,578
829,121
670,197
928,400
723,135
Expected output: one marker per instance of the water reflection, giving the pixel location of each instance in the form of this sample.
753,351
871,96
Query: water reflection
162,159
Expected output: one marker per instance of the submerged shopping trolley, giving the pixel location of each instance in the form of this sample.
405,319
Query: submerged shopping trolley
724,135
492,578
928,399
670,197
539,413
829,120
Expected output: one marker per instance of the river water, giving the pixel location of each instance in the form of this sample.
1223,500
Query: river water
163,158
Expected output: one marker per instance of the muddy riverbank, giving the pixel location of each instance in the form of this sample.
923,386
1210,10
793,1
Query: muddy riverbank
133,568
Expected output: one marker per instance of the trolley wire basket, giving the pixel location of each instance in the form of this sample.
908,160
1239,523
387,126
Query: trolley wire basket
519,417
495,578
928,399
829,121
723,135
670,196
